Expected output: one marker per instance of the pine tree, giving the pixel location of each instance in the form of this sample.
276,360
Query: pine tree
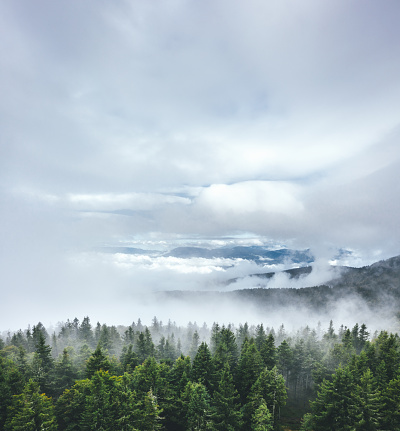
249,368
226,414
147,376
71,405
65,374
149,413
226,349
203,368
128,359
262,418
97,361
6,391
194,346
285,358
268,352
32,411
260,336
269,386
85,332
196,403
43,363
110,404
178,378
391,405
332,409
366,404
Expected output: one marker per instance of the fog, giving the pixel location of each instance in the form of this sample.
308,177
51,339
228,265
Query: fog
201,123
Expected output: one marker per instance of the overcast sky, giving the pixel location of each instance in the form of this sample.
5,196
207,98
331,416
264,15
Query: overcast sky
167,119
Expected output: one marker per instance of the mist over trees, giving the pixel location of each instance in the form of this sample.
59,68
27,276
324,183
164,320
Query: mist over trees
224,377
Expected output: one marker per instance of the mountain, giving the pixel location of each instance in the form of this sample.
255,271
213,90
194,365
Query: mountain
258,254
375,287
255,253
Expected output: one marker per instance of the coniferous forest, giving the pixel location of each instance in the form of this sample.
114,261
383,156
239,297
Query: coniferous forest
223,378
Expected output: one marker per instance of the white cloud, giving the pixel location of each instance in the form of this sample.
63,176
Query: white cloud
200,118
249,197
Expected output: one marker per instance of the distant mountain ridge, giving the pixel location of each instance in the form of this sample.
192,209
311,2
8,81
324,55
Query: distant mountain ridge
258,254
377,286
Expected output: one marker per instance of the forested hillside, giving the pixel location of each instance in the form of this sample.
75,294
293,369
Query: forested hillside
375,287
163,376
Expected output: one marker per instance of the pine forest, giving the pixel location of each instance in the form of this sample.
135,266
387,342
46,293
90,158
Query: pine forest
223,378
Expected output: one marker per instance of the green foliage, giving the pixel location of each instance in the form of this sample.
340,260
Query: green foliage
11,383
351,382
226,414
196,403
249,368
366,404
262,419
203,368
31,411
65,374
96,362
128,359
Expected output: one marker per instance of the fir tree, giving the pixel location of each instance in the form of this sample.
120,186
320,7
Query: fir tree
226,414
203,368
249,368
32,411
262,418
97,361
367,405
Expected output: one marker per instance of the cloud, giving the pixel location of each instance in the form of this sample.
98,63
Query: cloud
197,119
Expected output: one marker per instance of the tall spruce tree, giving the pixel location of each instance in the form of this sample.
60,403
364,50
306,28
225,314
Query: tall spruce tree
249,368
367,404
226,414
203,368
262,419
31,411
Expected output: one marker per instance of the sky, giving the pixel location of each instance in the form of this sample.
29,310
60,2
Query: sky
275,121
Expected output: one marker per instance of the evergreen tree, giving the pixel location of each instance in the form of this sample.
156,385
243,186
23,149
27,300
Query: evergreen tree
31,411
97,361
242,334
367,405
268,352
102,405
71,405
260,336
6,388
196,403
194,346
391,406
149,413
226,414
148,376
285,358
262,418
65,374
269,386
144,346
332,410
249,368
226,349
85,332
43,363
178,378
203,368
128,359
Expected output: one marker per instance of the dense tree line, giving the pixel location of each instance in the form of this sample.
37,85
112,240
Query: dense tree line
196,378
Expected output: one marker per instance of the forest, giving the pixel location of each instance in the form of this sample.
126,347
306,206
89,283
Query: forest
224,378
